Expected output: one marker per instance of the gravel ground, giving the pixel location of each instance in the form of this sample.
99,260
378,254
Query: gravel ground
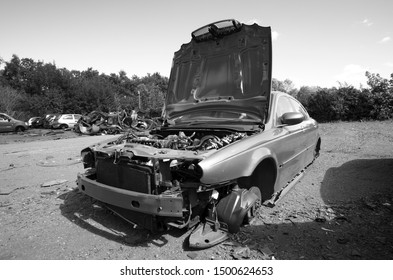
341,209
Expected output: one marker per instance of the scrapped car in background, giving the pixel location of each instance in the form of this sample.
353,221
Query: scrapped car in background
32,121
47,120
227,145
64,121
9,124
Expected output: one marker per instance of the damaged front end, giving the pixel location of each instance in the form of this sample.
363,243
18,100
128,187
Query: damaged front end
154,183
218,96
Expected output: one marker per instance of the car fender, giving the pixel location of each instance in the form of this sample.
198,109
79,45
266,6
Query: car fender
236,160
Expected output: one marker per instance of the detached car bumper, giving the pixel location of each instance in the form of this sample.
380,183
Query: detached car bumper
156,205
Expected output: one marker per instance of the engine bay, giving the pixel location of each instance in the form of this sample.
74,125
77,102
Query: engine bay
196,141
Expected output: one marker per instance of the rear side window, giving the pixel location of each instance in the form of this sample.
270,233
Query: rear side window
3,118
284,105
299,108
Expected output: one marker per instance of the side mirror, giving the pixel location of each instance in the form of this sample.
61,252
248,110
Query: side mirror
292,118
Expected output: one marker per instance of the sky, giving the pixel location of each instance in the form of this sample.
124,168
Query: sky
315,43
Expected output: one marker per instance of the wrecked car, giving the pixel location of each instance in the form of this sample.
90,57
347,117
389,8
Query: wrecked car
227,145
111,123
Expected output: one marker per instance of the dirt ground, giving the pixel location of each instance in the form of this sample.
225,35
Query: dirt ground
341,209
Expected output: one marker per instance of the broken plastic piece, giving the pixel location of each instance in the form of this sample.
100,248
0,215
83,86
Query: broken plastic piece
208,234
53,183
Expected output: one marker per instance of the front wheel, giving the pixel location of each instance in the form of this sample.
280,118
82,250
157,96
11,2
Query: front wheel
19,129
63,126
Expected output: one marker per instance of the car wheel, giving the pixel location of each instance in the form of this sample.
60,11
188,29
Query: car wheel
19,129
63,126
251,213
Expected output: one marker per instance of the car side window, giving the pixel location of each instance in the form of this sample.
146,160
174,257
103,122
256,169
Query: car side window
3,118
67,117
283,106
299,108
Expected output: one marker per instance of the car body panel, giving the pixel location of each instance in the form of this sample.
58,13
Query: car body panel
147,203
229,71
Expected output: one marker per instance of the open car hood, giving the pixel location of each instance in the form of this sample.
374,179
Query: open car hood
227,66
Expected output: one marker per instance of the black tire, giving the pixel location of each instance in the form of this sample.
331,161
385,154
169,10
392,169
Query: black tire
63,126
19,129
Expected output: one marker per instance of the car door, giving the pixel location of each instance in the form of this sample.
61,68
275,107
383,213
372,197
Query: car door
5,123
310,131
290,147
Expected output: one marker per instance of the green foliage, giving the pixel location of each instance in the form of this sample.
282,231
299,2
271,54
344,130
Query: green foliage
348,103
352,104
34,88
284,86
9,100
43,88
321,105
381,93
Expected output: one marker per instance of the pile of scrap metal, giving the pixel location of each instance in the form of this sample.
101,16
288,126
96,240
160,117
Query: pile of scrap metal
113,123
100,122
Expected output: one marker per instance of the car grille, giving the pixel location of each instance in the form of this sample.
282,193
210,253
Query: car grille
124,175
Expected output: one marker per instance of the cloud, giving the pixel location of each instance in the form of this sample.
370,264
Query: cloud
353,74
367,22
385,40
275,35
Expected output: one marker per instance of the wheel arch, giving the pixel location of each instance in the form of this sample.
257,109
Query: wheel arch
264,177
19,128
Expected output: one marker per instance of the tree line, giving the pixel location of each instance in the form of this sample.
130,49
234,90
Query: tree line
345,103
34,88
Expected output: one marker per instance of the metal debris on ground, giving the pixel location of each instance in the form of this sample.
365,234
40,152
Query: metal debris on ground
192,255
7,193
53,183
342,218
241,253
342,240
267,253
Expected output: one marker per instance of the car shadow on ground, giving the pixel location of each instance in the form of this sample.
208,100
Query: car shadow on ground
354,222
357,179
94,217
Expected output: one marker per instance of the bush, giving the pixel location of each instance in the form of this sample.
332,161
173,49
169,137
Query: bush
322,105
